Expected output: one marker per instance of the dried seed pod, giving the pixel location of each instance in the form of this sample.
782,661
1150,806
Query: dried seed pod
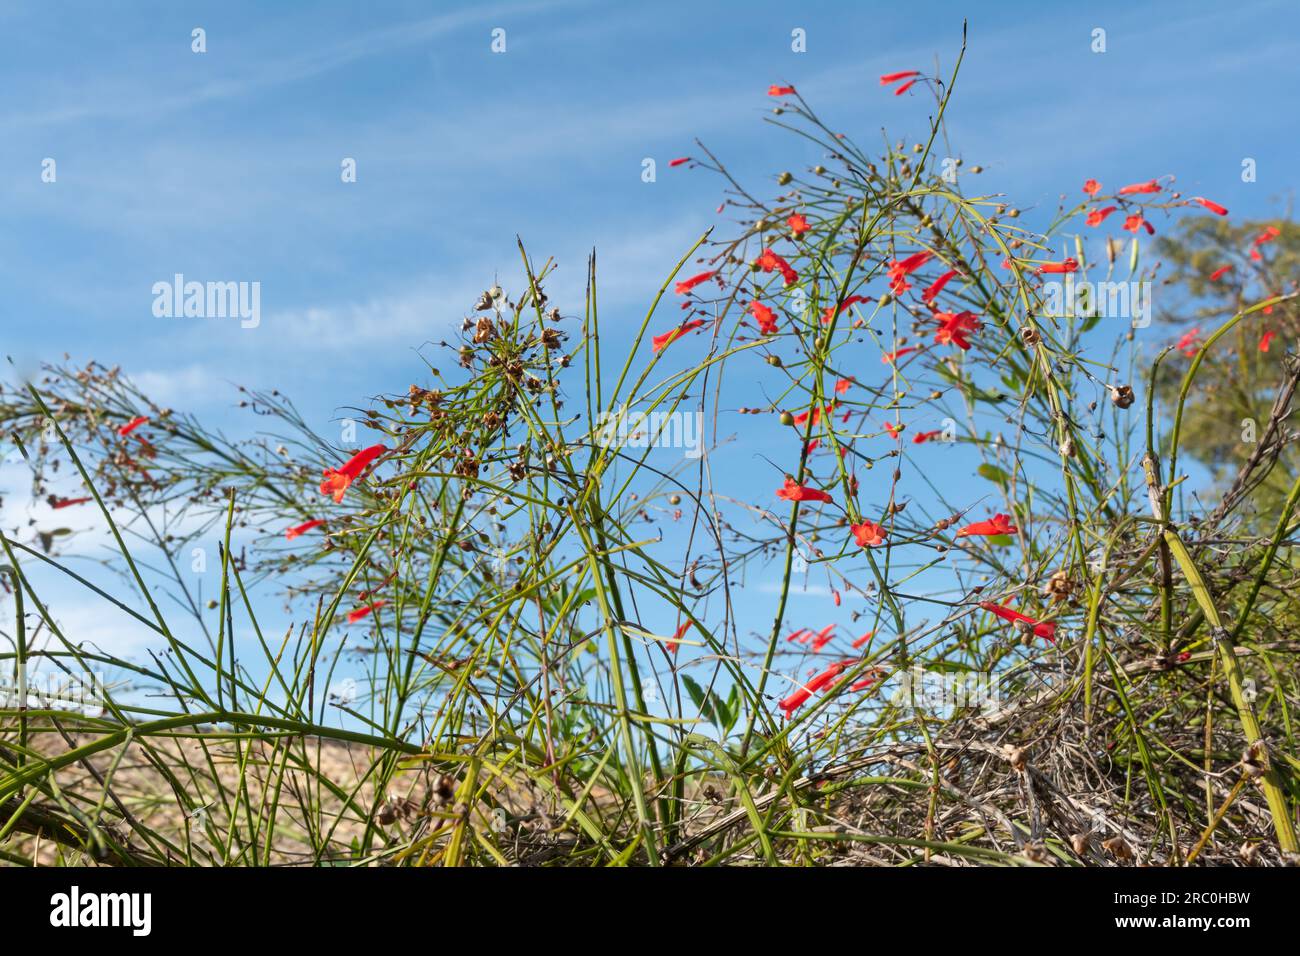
1030,336
1122,396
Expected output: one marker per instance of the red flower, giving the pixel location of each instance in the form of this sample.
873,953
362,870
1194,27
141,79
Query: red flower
830,311
1220,272
681,632
1045,629
816,414
359,613
303,528
895,77
1098,216
998,524
769,261
686,285
823,637
335,481
863,684
935,287
796,492
1135,222
905,87
843,385
1150,186
863,639
775,90
893,429
1265,340
798,224
765,316
1187,344
1268,235
1091,186
800,696
1056,268
900,269
679,162
955,328
920,438
661,342
868,535
132,425
56,503
1214,207
800,635
889,358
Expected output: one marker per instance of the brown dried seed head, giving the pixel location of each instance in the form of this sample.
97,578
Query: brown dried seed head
1122,396
1030,336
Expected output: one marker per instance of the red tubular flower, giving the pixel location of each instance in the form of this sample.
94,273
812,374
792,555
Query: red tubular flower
798,224
679,162
1187,344
1220,272
796,492
905,87
303,528
1136,221
863,684
1268,235
765,316
335,481
686,285
661,342
863,639
1091,186
935,287
769,261
132,425
868,534
775,90
56,503
900,269
920,438
831,311
843,385
815,413
824,636
955,328
799,697
1098,216
1057,268
359,613
893,429
1045,629
889,358
797,635
1150,186
895,77
1266,339
998,524
675,642
1214,207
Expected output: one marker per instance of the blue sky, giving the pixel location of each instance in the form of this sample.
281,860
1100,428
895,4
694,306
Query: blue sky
226,165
